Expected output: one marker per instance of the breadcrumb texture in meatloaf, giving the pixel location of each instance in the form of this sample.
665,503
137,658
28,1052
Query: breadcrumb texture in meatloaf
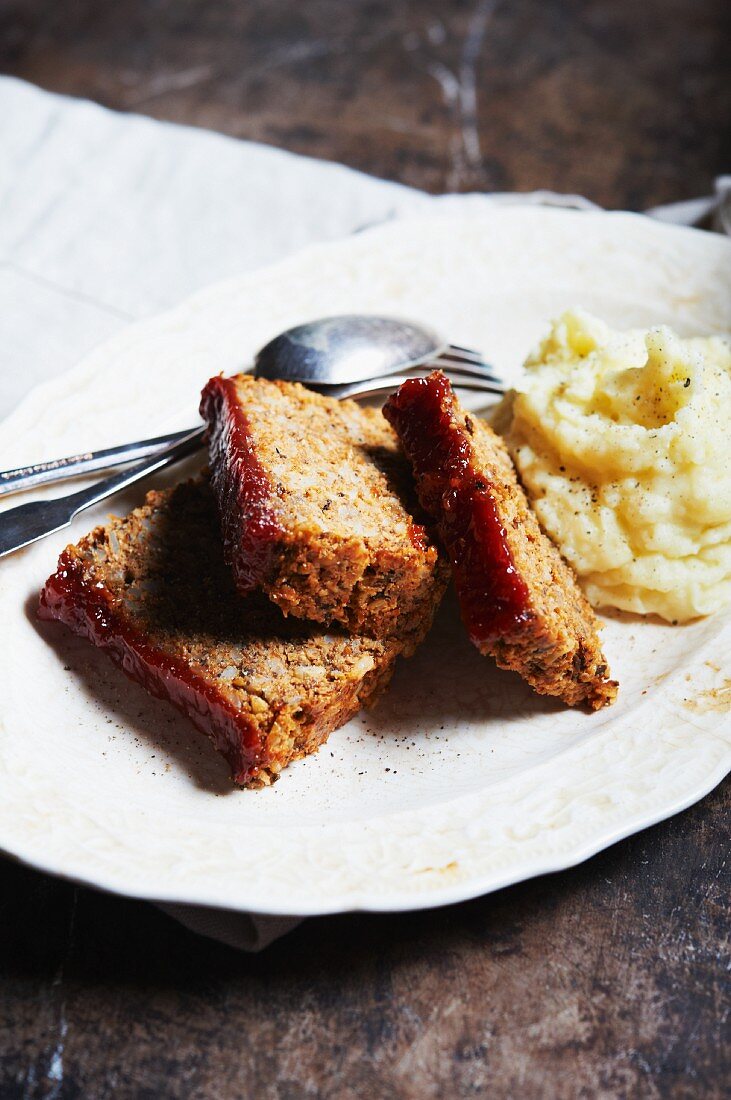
153,591
318,507
520,600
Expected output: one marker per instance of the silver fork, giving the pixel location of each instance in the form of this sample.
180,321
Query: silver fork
348,356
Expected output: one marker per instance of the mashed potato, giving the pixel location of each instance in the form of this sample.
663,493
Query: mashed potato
623,442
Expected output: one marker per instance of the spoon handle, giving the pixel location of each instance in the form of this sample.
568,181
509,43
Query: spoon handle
59,469
30,522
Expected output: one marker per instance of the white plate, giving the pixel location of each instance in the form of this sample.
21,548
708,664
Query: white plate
488,784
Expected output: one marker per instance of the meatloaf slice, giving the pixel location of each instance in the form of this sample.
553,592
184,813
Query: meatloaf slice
318,507
153,591
520,600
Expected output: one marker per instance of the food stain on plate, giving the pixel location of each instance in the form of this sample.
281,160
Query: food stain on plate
715,700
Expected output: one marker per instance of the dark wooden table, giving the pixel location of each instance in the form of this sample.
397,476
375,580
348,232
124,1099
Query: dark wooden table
607,980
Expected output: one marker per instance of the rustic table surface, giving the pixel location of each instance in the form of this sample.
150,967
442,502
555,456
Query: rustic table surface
607,980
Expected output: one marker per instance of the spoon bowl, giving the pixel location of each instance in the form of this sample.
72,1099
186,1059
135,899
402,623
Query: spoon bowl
333,351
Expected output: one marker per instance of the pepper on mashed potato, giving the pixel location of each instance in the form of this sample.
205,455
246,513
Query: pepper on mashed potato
623,442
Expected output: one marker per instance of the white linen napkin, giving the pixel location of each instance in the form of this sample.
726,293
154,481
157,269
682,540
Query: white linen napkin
108,218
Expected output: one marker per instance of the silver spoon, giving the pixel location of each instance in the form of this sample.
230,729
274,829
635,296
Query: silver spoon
348,356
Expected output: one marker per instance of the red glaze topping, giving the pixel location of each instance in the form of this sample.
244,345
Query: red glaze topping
250,530
419,538
492,594
89,611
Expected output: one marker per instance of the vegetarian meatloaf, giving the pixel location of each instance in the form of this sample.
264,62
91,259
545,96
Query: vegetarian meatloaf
520,600
153,591
318,508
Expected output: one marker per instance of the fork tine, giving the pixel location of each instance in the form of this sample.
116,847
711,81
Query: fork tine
468,370
468,354
476,370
